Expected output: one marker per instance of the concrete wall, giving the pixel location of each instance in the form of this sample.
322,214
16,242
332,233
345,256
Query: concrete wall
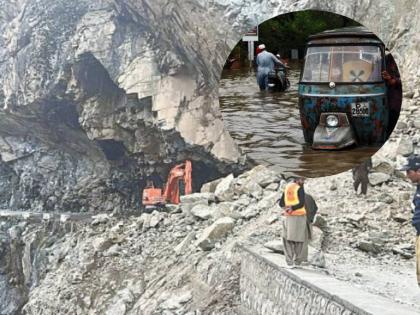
267,288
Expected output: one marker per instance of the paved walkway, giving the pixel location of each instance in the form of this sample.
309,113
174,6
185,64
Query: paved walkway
319,280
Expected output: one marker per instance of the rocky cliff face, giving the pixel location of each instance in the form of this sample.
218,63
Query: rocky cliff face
95,95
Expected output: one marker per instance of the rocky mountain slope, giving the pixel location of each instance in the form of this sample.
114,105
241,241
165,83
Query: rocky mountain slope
185,260
96,95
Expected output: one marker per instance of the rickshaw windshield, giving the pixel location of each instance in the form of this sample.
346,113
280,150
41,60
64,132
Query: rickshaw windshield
347,64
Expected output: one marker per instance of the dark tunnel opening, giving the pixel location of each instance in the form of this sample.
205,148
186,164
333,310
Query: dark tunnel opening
113,150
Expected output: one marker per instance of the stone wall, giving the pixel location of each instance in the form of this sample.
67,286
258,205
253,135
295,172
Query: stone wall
267,288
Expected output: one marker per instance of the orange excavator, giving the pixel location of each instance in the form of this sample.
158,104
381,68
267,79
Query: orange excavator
182,172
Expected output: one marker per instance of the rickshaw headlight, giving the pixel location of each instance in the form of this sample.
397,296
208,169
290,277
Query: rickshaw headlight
332,121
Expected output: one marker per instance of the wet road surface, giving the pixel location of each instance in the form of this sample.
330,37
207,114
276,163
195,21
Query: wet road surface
267,128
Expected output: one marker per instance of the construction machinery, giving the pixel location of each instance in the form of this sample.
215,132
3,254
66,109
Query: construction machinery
180,174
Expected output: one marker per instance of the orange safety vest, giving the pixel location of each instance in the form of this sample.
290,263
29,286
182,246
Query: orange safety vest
291,198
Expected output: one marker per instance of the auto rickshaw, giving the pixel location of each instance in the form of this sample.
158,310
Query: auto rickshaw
342,96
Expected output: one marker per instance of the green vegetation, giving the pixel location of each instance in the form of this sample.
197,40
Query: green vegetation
290,31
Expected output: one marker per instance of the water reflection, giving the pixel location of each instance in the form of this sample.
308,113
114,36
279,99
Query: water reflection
267,127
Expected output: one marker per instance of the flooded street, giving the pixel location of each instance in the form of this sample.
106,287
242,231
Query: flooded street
267,128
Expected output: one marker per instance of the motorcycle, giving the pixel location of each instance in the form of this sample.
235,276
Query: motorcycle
277,79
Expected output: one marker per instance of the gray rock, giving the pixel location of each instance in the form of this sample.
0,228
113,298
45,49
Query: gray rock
224,190
402,125
226,209
120,303
188,202
250,212
215,232
384,167
155,219
101,244
386,198
268,202
369,247
272,187
242,202
113,251
187,207
318,260
198,198
405,148
100,219
175,301
202,211
417,123
378,178
262,176
173,208
273,218
181,247
400,217
356,219
275,246
248,186
403,252
210,187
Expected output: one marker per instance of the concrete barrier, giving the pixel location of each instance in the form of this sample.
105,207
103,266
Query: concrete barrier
267,288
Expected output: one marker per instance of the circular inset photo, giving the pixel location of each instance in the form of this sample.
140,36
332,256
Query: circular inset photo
310,93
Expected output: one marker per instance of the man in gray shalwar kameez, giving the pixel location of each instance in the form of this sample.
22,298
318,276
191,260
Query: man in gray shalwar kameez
295,232
265,63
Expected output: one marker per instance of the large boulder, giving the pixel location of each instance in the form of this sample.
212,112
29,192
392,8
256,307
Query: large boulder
268,202
248,186
197,198
318,260
224,190
250,212
383,167
188,202
369,246
262,176
226,209
202,211
378,178
210,187
405,147
215,232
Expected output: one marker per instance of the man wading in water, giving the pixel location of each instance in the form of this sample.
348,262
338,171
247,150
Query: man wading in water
265,63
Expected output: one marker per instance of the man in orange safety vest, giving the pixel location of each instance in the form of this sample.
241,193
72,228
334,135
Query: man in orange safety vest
294,222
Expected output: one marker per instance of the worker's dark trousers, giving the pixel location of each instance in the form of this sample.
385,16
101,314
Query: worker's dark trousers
305,249
364,182
293,251
418,259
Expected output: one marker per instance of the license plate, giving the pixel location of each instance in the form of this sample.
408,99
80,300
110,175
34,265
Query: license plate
360,109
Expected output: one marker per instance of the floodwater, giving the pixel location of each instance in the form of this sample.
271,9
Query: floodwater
267,128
